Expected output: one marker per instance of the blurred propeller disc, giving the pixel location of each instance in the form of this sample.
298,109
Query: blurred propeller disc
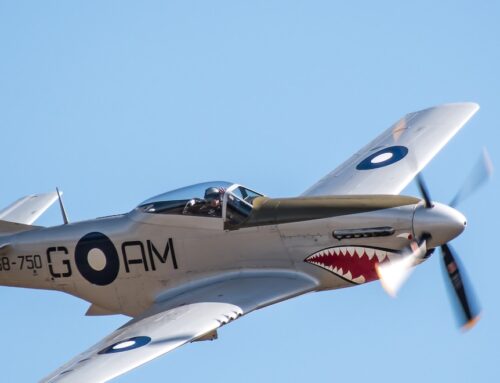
462,296
394,273
424,191
480,173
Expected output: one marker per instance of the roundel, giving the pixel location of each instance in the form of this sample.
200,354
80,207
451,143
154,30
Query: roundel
126,345
97,259
383,157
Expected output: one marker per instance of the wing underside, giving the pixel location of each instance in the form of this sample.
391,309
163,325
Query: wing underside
178,320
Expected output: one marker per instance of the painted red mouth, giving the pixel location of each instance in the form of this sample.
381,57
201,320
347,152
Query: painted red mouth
355,264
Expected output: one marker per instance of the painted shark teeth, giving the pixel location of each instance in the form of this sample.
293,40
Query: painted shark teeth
370,252
380,255
359,280
353,263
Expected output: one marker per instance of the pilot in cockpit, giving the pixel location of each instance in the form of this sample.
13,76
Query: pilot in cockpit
210,205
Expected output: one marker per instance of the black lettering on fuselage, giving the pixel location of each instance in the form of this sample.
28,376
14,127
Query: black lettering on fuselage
133,253
134,261
169,248
52,251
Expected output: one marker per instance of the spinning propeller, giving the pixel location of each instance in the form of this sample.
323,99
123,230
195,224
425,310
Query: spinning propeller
443,223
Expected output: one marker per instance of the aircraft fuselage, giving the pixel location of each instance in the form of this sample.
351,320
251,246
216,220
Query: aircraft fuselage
122,264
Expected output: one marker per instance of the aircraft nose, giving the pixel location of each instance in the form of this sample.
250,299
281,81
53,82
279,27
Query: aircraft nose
442,222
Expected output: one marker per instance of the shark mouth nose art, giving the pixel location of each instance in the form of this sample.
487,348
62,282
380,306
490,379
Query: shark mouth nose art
352,263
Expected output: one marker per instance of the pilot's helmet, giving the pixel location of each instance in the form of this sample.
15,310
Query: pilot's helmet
212,193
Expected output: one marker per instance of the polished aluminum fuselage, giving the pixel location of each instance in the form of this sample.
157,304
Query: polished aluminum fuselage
161,253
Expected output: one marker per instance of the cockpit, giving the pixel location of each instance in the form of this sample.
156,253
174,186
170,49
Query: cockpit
218,199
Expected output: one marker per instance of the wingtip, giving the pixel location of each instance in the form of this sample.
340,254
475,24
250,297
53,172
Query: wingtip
472,107
465,108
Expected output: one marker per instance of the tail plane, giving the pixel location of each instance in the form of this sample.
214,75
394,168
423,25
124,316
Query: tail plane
20,215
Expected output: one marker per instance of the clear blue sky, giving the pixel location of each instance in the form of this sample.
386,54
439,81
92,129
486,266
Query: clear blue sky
118,101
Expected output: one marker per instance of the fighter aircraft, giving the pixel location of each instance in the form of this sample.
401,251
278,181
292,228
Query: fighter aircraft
184,263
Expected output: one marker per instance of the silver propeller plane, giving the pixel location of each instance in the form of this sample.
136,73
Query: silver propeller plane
184,263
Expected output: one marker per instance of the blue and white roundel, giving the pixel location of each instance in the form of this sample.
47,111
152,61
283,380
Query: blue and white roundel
383,157
126,345
97,259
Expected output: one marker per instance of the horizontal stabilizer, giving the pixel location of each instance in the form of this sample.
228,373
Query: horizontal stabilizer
26,210
7,227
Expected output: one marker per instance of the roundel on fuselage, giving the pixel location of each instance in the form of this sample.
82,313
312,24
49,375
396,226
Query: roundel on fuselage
97,259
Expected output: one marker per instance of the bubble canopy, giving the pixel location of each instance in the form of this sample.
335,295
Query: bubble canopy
187,192
221,199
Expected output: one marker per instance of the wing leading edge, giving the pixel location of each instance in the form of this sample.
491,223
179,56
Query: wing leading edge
178,320
389,163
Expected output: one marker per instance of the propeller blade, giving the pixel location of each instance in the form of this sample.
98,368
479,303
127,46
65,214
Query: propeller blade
424,191
393,274
467,309
480,173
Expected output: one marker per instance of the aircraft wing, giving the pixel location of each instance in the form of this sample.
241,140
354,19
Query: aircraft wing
181,317
389,163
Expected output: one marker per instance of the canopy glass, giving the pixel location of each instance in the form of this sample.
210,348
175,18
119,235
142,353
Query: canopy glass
217,199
